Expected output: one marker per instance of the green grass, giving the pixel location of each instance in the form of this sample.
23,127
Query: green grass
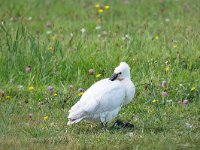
160,35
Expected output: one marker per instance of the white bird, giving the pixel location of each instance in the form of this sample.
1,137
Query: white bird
103,100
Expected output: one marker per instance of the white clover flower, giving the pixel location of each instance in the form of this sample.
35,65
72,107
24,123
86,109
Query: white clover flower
83,30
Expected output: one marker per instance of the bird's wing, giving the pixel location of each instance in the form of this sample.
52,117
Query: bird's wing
104,95
87,94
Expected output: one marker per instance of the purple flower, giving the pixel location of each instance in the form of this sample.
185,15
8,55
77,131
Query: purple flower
164,84
91,71
185,102
28,68
164,94
30,115
80,89
50,88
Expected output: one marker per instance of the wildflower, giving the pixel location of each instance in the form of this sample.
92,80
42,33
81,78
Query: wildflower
157,37
174,46
11,80
187,125
154,101
83,30
107,7
31,88
71,34
80,89
20,87
100,10
104,33
167,62
80,93
46,118
164,84
167,19
185,102
50,48
28,68
126,37
55,94
71,86
50,88
193,89
97,5
8,97
48,32
98,75
98,27
91,71
53,38
169,101
30,18
167,69
164,94
30,115
2,93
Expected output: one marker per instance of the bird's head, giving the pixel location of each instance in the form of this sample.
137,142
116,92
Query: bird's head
121,72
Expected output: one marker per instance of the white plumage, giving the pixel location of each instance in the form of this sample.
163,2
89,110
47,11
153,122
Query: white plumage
103,100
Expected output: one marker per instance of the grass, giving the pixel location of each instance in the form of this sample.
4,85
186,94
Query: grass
159,40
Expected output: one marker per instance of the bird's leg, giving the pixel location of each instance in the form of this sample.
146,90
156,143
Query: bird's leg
118,123
104,125
129,125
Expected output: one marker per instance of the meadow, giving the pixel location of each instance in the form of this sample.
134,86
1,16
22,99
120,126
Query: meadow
48,47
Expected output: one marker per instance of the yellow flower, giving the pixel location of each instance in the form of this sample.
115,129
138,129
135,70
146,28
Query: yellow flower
31,88
50,48
157,37
8,97
97,5
100,10
174,46
107,7
80,94
167,69
98,75
55,94
46,118
53,38
193,89
154,101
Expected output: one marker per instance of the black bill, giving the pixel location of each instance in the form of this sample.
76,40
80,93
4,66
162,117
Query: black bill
113,77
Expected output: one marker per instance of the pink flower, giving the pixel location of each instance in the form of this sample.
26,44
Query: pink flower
164,84
91,71
50,88
185,102
30,115
28,68
164,94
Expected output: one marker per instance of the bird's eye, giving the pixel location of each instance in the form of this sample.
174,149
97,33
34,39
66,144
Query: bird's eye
120,72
